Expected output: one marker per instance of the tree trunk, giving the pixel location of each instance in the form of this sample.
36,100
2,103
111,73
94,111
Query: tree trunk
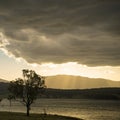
28,110
10,103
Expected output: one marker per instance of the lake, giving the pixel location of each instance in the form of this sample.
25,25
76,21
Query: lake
85,109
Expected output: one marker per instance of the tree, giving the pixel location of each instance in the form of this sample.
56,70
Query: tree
27,89
1,100
10,98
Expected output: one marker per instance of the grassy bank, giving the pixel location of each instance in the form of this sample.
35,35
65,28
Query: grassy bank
22,116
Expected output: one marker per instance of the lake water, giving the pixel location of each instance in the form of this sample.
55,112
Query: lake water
85,109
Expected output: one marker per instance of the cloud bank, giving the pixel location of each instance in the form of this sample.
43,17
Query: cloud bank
59,31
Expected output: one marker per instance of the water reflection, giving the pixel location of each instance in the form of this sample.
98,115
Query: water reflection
86,109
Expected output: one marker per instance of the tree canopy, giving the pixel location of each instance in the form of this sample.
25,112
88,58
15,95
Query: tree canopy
27,89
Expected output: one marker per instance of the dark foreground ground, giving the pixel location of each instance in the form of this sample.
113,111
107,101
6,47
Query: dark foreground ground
22,116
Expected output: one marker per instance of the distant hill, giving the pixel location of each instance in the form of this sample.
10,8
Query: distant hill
2,80
75,82
3,87
78,82
96,93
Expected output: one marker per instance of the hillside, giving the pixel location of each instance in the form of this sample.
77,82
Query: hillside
78,82
2,80
96,93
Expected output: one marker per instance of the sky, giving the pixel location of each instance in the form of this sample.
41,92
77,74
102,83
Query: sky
74,37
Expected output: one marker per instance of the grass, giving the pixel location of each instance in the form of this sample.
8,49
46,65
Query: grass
22,116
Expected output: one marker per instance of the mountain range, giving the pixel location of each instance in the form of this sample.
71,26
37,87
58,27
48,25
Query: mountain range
75,87
3,81
76,82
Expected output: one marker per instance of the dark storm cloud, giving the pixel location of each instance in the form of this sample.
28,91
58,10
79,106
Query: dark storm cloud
58,31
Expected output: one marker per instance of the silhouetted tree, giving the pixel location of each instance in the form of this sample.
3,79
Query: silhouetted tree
10,98
1,100
28,88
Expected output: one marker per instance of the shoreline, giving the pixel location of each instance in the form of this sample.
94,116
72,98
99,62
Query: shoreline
4,115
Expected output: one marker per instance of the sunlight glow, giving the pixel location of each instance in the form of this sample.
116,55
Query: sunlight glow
50,69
